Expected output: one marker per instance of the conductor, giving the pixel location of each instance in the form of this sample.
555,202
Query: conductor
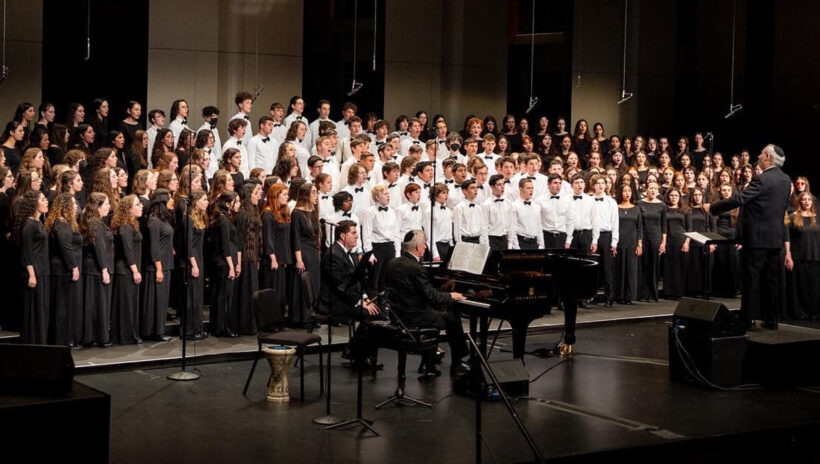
761,232
418,304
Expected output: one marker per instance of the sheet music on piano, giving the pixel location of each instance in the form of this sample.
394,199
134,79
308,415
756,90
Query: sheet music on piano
469,257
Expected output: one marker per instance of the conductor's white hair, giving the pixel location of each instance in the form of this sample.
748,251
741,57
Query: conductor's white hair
777,160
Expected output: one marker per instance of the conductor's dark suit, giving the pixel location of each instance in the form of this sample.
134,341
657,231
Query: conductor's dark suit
418,304
762,233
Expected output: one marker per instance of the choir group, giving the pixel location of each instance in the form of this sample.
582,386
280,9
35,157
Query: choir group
107,224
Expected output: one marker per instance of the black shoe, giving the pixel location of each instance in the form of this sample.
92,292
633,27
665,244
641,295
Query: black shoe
197,337
231,334
459,369
163,338
771,325
105,345
204,335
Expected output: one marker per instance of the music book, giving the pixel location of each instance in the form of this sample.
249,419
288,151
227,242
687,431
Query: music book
706,237
469,257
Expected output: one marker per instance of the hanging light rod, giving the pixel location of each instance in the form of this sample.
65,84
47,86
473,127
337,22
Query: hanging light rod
533,99
733,108
355,86
625,96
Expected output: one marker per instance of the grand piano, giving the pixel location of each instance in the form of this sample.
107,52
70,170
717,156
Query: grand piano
518,286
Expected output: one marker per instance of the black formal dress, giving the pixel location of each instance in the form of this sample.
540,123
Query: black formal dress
125,303
13,159
9,275
305,238
223,245
725,275
674,260
248,241
418,304
653,216
66,294
97,256
128,131
155,296
803,282
196,285
630,230
697,268
762,233
34,252
276,241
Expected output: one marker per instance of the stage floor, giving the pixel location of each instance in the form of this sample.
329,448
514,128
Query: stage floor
614,399
155,354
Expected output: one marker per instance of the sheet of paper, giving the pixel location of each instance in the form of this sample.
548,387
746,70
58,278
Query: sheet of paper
469,257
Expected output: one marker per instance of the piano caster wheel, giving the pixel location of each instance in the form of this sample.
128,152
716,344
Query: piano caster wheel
565,350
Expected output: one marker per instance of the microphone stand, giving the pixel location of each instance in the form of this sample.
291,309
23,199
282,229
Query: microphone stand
183,375
328,418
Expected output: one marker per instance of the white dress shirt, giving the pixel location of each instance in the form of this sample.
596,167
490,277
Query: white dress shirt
497,215
331,168
233,142
442,226
468,221
302,156
489,160
248,127
583,213
381,224
556,214
404,148
540,184
325,205
263,153
280,131
176,126
361,197
342,131
314,128
606,217
410,216
216,151
525,220
335,218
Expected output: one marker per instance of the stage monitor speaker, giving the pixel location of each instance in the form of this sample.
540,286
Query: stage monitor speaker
511,374
36,369
720,360
707,318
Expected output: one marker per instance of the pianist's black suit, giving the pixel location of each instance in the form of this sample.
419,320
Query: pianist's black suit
418,304
335,297
761,231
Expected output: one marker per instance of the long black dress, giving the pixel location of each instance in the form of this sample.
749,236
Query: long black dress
34,252
155,296
196,285
630,230
305,238
674,260
699,258
248,281
654,228
223,245
9,275
125,304
724,277
803,282
276,241
181,264
97,256
66,294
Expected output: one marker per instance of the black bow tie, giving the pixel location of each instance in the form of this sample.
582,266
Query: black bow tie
451,181
266,140
276,124
391,185
416,142
414,208
403,134
499,200
481,187
577,197
555,197
427,186
507,181
325,197
368,177
488,157
472,205
395,157
442,207
531,177
213,128
298,118
239,142
247,117
599,199
345,214
528,202
382,208
184,122
358,189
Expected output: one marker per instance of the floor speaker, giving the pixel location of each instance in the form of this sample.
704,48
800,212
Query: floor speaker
36,369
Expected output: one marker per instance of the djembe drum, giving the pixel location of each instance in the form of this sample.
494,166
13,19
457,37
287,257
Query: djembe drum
279,358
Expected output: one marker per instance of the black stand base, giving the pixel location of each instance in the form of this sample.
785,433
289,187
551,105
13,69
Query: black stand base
358,420
400,398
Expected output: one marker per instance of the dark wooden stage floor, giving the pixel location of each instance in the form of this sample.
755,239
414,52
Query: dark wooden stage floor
614,399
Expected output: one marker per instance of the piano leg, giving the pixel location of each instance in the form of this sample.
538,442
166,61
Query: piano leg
519,336
570,316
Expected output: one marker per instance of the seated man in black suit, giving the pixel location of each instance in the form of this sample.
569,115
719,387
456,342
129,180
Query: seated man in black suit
337,297
761,231
418,304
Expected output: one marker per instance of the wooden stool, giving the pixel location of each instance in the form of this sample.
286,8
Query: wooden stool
279,358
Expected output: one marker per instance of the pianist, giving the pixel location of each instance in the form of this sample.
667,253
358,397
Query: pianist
418,304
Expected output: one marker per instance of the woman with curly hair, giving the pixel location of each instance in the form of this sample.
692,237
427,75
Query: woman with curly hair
127,275
30,235
66,243
106,182
98,262
249,239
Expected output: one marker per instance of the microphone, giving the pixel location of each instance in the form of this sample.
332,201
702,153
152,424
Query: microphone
625,96
354,88
257,92
87,49
732,110
533,102
325,221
